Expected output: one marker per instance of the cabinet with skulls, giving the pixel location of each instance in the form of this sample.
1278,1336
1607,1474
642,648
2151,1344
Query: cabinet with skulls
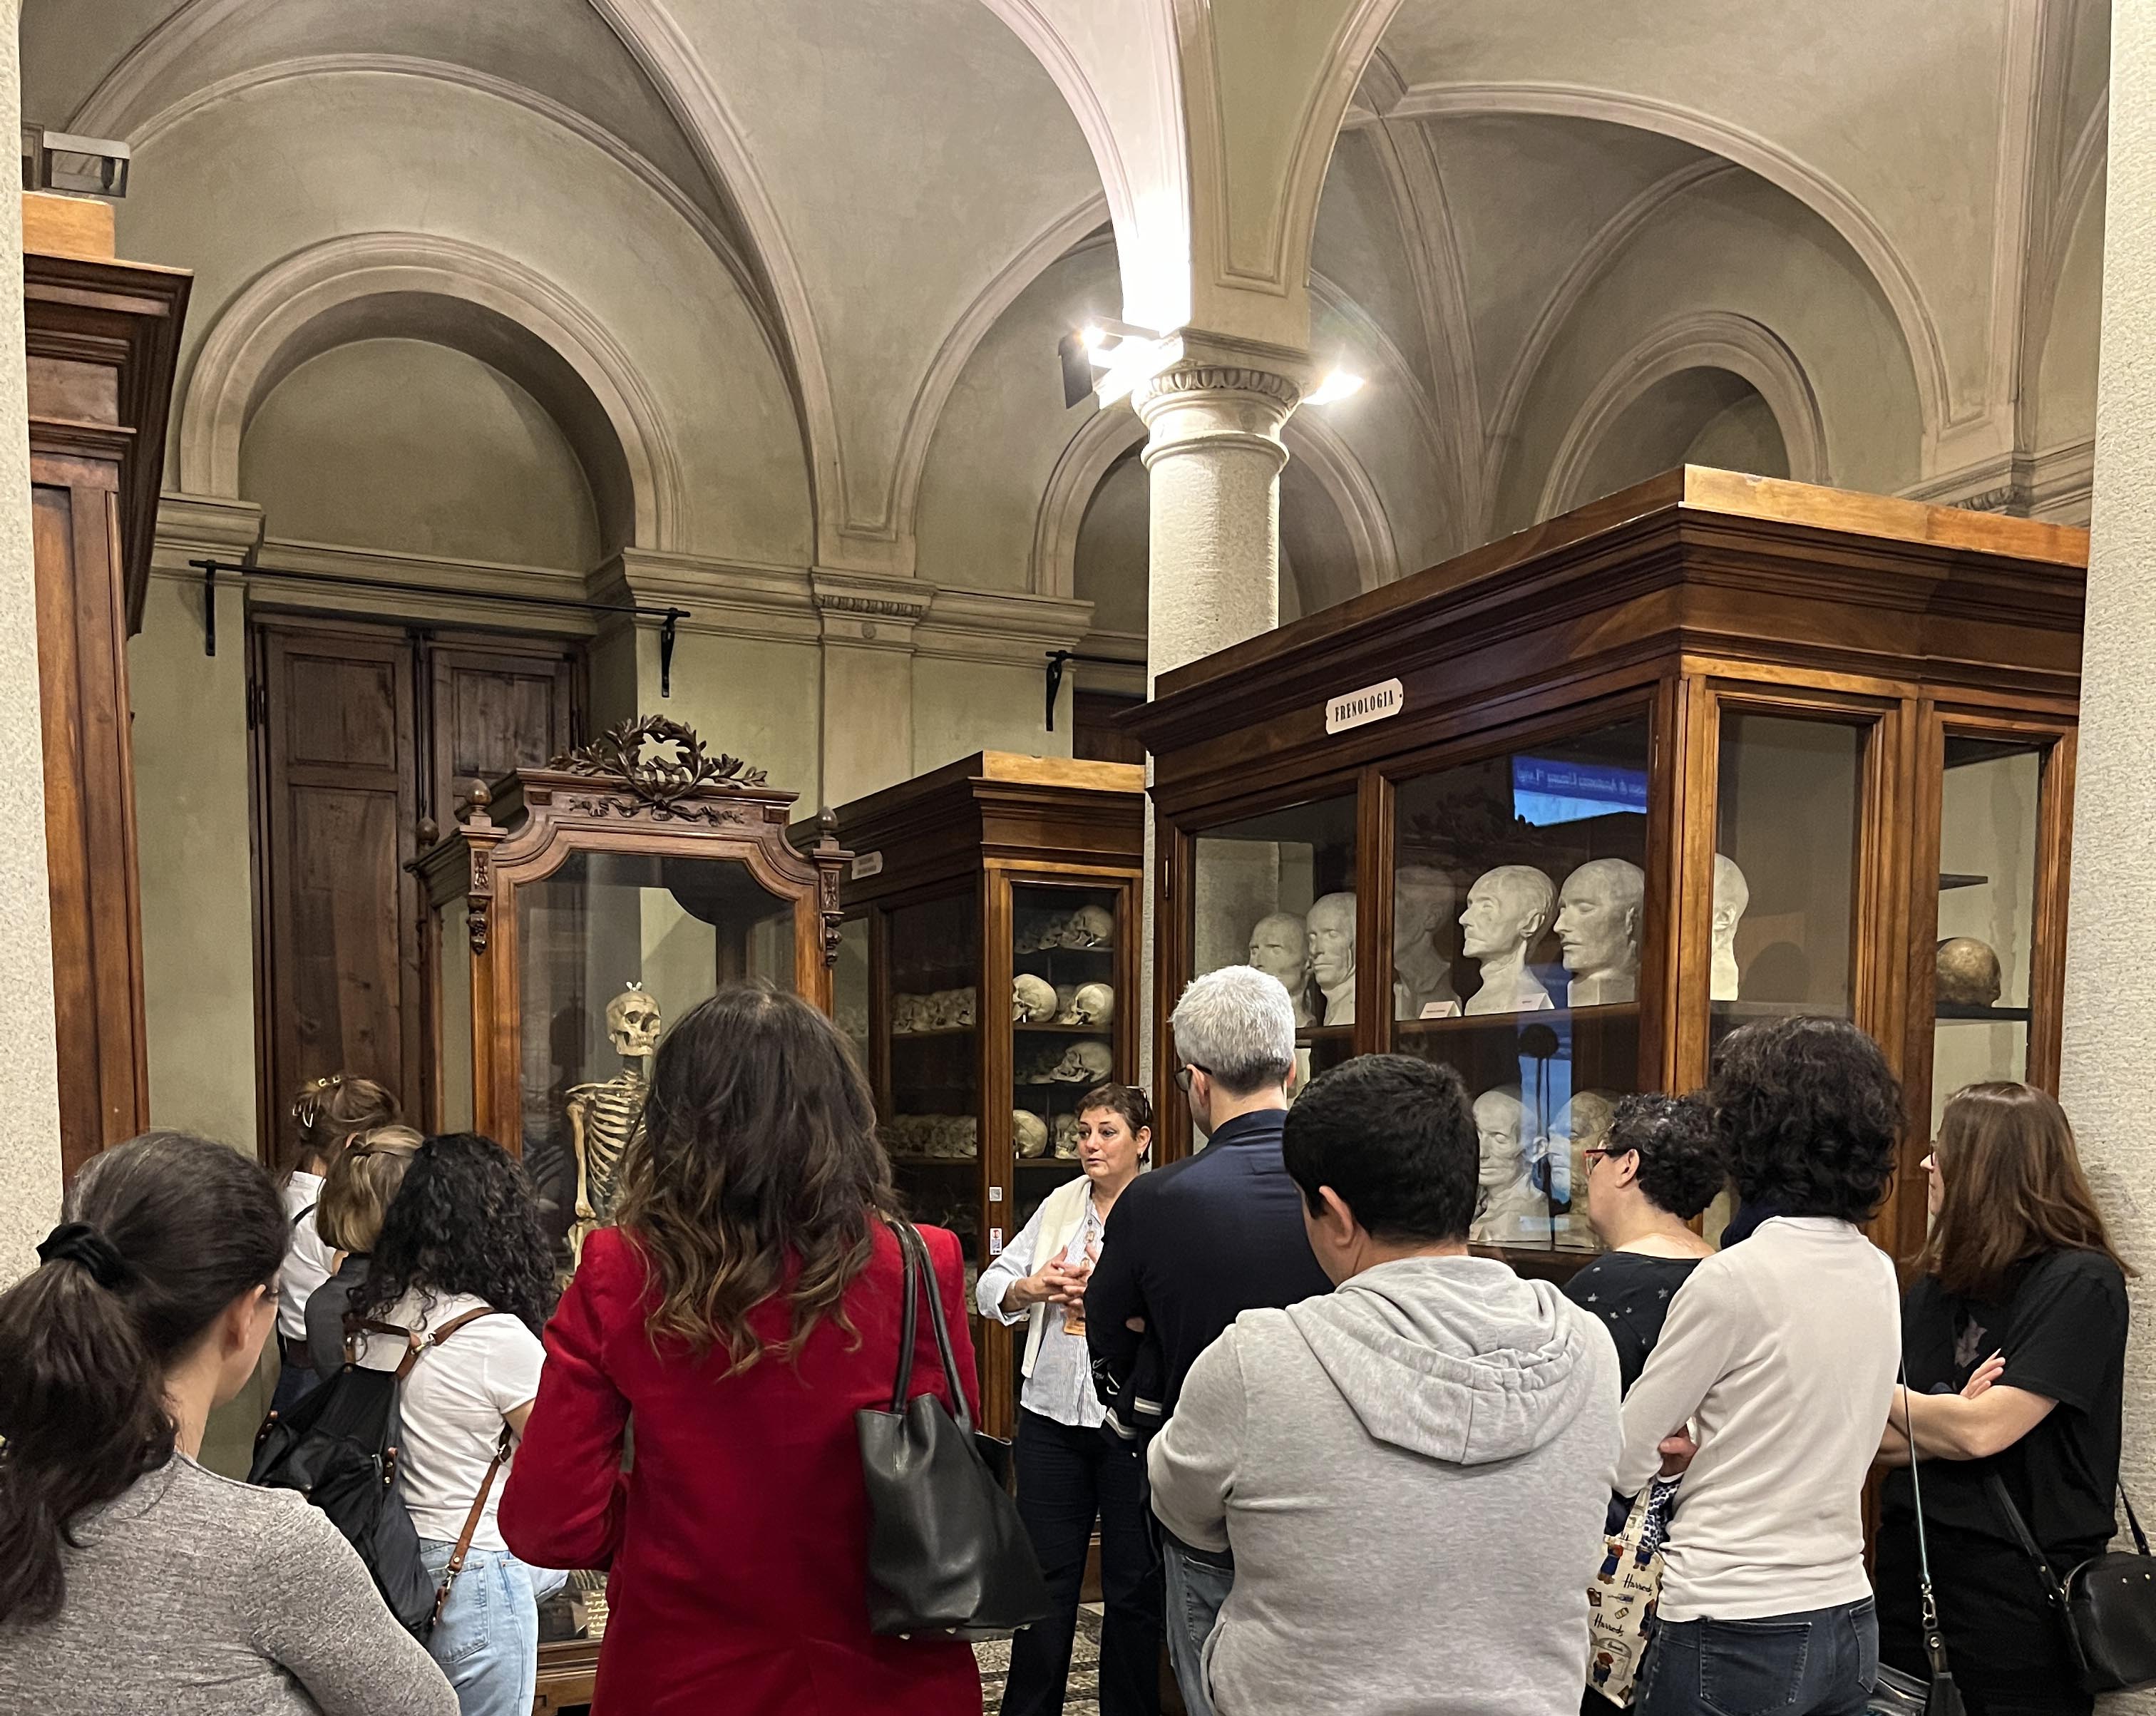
1564,815
996,901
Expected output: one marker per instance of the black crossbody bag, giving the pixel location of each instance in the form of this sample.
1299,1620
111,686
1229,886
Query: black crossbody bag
948,1555
1894,1693
2107,1604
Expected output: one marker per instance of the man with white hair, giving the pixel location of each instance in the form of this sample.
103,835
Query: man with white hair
1191,1247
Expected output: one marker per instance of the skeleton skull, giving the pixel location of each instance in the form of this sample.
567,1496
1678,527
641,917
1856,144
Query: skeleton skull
632,1019
1029,1133
1066,1004
1095,1004
906,1011
1033,999
1066,1137
964,1003
1087,1063
1090,926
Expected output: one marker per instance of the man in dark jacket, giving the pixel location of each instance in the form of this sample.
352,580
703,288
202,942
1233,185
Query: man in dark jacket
1190,1248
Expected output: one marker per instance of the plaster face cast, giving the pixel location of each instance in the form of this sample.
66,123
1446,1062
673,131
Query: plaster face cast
1508,908
1968,973
1582,1125
1508,1208
1279,946
1029,1133
1332,955
1732,895
1033,999
1087,1063
1422,977
1598,923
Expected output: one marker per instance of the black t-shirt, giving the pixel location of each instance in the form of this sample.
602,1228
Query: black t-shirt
1630,1292
2060,1320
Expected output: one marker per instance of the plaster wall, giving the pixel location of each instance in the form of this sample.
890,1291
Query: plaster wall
2067,377
351,448
960,707
1111,562
755,697
239,185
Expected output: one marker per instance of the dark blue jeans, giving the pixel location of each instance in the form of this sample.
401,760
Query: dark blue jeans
1821,1663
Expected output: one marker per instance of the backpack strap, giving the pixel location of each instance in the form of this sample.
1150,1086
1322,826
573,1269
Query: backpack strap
456,1562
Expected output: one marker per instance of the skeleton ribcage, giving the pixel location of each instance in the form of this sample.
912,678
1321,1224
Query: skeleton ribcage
612,1122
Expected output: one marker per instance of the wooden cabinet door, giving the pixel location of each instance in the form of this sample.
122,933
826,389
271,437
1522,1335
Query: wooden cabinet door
493,706
338,816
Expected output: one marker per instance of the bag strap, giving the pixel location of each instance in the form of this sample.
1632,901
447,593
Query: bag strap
2133,1524
919,1270
1935,1641
456,1562
2054,1592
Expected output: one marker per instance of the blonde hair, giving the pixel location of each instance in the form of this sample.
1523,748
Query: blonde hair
361,1183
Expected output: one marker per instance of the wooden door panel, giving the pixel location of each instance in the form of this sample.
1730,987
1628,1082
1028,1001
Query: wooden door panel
348,989
495,707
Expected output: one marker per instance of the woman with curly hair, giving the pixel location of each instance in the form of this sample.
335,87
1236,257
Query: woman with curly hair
1769,1387
747,1306
462,1272
2014,1329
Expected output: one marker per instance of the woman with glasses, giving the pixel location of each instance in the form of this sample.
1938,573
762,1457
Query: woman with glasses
1647,1184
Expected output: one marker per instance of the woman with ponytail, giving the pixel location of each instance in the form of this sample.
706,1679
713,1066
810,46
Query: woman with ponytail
130,1578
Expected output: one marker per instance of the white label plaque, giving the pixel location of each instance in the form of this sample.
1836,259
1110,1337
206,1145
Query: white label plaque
1377,703
995,1241
867,865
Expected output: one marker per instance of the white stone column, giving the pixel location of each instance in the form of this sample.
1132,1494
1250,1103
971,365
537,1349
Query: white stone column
2111,984
29,1074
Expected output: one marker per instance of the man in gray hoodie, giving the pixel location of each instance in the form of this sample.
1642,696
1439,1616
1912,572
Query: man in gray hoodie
1412,1470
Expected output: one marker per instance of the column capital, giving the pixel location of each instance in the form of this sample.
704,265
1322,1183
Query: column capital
1216,390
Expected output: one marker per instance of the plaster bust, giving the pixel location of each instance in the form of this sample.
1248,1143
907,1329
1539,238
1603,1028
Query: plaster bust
1279,946
1507,1209
1583,1125
1598,923
1422,976
1732,895
1332,955
1508,908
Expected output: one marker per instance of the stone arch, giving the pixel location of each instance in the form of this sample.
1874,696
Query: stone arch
377,284
1711,339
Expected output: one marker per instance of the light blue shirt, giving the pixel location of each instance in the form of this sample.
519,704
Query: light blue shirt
1061,1385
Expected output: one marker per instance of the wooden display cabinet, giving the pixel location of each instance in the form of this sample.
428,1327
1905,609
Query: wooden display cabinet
639,870
1754,747
964,881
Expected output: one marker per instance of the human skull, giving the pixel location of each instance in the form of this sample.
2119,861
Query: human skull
1968,973
962,1136
1029,1133
1089,927
1066,1137
906,1011
1066,1004
1033,999
1095,1004
964,1004
1029,934
1086,1063
632,1020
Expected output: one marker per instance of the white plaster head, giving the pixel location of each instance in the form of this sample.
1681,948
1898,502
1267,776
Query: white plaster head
1422,901
1597,918
1500,1118
632,1024
1582,1125
1332,930
1732,895
1508,910
1279,946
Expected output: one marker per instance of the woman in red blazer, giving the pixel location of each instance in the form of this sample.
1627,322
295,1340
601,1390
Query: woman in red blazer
744,1308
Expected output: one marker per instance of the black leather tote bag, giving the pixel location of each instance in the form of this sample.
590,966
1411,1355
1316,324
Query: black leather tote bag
948,1556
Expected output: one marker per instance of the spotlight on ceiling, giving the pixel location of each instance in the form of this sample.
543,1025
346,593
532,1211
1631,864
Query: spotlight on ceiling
1336,386
1099,345
86,166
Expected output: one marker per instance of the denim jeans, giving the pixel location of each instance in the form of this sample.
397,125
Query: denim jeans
1820,1663
487,1641
1198,1583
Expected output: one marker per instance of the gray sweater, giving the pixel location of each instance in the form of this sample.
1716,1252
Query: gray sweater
193,1595
1413,1473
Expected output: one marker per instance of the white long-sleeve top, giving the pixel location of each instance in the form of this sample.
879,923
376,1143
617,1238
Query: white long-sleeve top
1783,1349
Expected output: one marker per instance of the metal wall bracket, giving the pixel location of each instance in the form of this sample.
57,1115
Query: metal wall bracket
1058,660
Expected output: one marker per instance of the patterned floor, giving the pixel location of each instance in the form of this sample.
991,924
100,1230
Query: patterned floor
1082,1695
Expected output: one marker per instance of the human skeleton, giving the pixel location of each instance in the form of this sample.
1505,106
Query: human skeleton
606,1118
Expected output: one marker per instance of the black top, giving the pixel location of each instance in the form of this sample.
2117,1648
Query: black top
325,1314
1630,1292
2060,1320
1191,1246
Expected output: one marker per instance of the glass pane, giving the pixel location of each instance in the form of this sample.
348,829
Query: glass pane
1988,835
849,987
1063,1039
1519,902
455,976
613,948
1278,892
1785,869
932,1018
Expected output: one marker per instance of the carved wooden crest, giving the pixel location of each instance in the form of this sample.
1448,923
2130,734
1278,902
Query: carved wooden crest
661,761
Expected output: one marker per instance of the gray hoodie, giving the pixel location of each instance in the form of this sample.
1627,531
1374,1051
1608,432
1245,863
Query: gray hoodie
1412,1472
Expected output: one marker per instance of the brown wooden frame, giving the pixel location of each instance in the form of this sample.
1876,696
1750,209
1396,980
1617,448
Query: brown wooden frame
984,827
1695,593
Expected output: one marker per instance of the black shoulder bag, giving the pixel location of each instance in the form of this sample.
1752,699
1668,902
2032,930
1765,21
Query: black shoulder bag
1895,1694
2107,1604
948,1553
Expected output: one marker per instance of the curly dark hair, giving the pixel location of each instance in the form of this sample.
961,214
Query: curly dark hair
465,1221
1680,1167
1807,1113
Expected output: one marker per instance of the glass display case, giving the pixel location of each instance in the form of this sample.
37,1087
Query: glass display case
576,912
1565,812
995,903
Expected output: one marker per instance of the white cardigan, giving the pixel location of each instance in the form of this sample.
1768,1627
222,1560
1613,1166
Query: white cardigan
1044,1236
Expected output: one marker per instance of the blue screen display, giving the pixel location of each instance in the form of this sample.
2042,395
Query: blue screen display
1547,790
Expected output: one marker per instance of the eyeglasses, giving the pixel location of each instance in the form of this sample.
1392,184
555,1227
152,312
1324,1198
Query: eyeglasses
1184,1069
